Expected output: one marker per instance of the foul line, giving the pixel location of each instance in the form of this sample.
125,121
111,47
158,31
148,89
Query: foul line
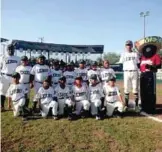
151,117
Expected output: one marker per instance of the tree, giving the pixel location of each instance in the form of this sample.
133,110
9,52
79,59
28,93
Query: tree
112,57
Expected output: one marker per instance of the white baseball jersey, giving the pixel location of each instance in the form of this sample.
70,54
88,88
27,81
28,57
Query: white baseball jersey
91,72
24,72
45,95
95,92
40,72
62,93
70,77
56,74
129,60
80,93
8,64
111,93
105,74
82,73
16,91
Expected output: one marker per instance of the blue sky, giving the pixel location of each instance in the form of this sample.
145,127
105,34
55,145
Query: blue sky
107,22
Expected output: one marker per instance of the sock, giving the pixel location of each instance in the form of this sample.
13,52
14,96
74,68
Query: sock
34,106
136,98
3,98
27,102
98,112
126,99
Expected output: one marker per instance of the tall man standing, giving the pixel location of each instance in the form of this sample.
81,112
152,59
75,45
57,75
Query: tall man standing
8,64
130,60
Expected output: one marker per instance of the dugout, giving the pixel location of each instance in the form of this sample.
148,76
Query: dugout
52,49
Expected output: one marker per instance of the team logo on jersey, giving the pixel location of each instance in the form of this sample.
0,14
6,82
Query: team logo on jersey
46,96
25,72
82,74
95,92
62,95
42,70
16,91
80,94
56,75
105,75
114,93
129,58
10,61
69,76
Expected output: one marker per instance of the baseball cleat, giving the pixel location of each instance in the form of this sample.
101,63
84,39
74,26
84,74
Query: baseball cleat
137,109
55,118
98,118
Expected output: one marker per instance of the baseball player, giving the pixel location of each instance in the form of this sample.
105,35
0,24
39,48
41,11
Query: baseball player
56,74
64,98
93,71
8,64
16,95
82,72
113,99
130,60
38,73
70,76
80,97
24,70
106,72
47,100
96,96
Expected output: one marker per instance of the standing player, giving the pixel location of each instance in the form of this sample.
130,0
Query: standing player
82,72
93,71
38,73
80,97
70,76
24,70
64,98
56,74
113,99
130,60
47,100
16,94
106,72
96,97
8,64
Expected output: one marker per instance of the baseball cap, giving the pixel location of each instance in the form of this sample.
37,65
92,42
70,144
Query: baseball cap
10,47
94,63
42,57
112,78
93,77
129,42
24,58
62,78
16,75
78,78
81,62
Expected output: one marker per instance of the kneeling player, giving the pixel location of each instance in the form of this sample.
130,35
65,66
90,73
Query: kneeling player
113,100
80,96
47,100
16,94
96,97
64,101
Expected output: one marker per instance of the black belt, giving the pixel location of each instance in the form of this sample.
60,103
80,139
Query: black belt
26,83
39,82
130,70
10,75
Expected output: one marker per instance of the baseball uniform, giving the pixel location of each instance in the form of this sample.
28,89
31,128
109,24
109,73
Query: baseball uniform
95,95
92,72
111,100
46,98
8,64
17,93
105,74
63,97
82,73
56,75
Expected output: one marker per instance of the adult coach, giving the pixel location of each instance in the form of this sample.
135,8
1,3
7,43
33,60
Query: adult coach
8,64
130,60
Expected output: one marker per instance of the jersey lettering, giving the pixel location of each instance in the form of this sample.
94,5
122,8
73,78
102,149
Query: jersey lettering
95,92
16,91
56,75
10,61
42,70
80,94
25,72
129,58
46,96
112,93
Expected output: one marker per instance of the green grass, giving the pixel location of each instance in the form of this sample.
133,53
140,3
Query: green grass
130,134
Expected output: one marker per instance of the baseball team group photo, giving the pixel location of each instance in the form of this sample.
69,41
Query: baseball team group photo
63,97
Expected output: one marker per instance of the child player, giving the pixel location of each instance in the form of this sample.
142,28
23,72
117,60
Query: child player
16,94
80,97
113,100
47,100
96,96
63,96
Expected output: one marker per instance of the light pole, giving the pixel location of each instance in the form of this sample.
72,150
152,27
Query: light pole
144,15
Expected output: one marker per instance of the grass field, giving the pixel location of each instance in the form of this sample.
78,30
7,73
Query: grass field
129,134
